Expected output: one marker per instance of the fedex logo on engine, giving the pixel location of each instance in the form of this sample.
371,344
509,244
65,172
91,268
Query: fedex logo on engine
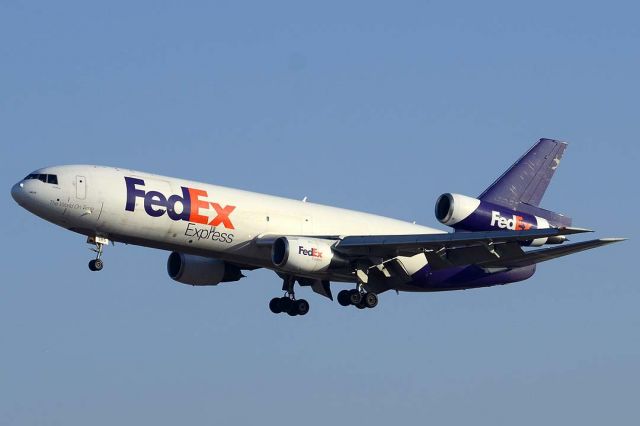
514,223
310,252
191,204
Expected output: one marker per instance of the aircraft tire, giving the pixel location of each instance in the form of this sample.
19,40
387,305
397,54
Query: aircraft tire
344,298
355,297
285,303
275,306
370,300
301,306
96,265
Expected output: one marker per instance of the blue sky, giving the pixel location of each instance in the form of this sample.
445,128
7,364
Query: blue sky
371,106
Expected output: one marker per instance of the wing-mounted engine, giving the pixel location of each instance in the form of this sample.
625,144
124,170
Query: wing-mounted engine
471,214
200,271
303,255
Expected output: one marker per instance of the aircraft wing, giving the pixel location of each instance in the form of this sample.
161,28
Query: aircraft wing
490,249
487,249
407,245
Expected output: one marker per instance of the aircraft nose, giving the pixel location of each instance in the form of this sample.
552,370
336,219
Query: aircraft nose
18,193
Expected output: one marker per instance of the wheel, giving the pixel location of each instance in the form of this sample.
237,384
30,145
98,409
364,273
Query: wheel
96,265
285,303
370,300
298,307
292,311
343,298
275,305
301,306
355,297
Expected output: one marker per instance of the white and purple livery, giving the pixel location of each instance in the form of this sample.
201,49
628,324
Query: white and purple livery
215,233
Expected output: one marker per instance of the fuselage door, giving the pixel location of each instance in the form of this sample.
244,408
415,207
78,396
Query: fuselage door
81,187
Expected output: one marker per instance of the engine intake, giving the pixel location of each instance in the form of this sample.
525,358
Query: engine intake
453,208
200,271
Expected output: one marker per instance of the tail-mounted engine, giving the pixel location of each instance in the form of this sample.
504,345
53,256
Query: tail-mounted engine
470,214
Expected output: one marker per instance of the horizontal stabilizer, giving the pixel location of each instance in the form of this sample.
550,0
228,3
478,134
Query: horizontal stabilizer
542,255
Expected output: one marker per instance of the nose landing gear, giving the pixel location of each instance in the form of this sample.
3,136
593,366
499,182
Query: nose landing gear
97,264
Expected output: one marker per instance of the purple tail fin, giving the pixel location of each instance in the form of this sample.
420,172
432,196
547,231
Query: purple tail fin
522,186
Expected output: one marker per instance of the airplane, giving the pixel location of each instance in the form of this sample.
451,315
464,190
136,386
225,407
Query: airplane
215,233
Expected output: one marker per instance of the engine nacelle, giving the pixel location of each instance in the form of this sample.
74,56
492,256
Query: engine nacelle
302,255
470,214
198,270
452,209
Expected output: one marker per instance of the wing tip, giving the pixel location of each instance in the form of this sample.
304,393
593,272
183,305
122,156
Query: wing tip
613,239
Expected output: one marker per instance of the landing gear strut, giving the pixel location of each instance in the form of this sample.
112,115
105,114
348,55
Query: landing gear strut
288,303
97,264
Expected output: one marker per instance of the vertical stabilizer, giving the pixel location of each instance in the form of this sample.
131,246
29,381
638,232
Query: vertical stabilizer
523,185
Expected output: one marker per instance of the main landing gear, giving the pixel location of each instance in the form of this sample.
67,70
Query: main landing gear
291,306
288,303
358,298
97,264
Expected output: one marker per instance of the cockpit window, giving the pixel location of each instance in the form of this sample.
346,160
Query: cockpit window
52,179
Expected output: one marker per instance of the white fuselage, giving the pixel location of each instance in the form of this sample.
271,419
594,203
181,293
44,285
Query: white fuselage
190,217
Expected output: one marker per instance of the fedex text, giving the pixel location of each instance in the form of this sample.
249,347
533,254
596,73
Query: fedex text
193,205
313,252
514,223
